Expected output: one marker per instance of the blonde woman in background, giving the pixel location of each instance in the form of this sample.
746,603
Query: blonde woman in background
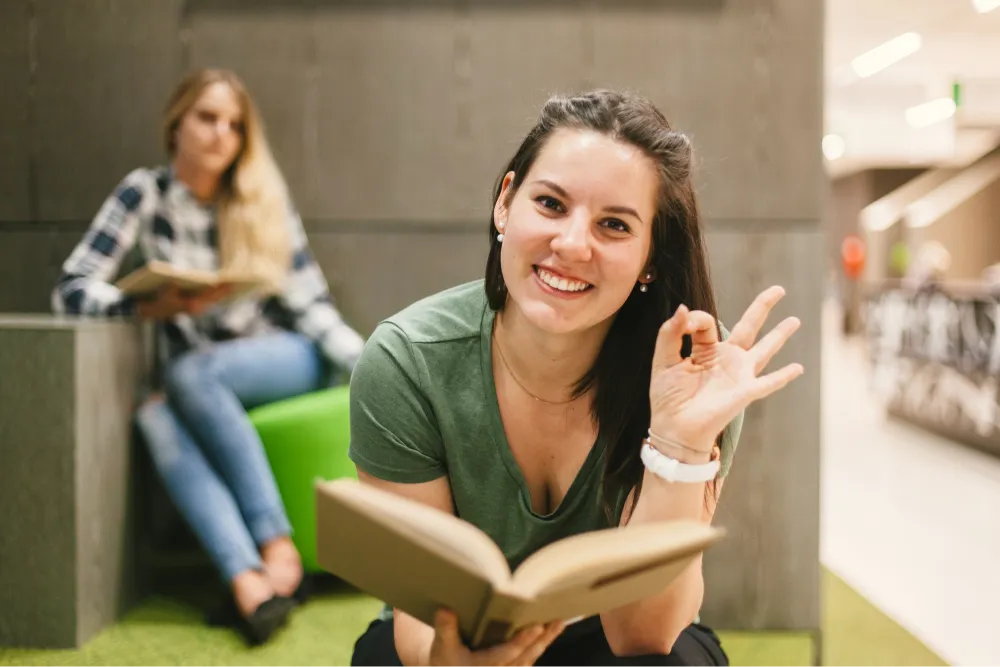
220,203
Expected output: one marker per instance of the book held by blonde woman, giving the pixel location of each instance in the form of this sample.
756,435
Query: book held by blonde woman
154,276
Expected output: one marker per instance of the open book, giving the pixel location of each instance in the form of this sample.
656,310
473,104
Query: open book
418,559
153,276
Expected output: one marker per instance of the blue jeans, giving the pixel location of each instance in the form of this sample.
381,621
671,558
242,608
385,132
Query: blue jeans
207,451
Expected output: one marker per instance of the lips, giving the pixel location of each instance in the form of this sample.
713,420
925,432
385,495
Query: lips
561,283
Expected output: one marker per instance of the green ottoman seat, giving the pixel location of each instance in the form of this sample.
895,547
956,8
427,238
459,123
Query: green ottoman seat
306,439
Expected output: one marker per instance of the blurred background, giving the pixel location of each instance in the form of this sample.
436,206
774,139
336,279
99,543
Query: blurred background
847,150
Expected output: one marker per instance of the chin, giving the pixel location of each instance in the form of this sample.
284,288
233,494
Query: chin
215,165
556,320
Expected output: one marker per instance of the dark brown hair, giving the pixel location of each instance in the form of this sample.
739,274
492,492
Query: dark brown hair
621,372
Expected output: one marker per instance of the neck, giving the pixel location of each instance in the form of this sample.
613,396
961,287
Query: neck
547,366
202,184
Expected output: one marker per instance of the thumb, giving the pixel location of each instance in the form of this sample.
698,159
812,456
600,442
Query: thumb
670,338
446,630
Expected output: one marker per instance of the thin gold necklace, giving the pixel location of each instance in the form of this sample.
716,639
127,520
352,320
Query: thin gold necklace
510,371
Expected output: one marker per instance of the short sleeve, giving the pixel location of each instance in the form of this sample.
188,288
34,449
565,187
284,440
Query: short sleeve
731,434
730,438
394,433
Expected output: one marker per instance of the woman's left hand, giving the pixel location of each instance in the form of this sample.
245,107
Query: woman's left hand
692,400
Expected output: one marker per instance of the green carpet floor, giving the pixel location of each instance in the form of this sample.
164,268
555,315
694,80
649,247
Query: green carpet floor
169,631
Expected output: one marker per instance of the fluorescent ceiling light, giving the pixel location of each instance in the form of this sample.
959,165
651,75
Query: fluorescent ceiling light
878,216
984,6
887,54
931,112
834,146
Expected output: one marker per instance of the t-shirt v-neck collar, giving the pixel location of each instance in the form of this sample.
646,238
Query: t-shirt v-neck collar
492,409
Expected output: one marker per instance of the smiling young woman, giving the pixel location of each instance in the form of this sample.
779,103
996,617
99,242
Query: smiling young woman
541,402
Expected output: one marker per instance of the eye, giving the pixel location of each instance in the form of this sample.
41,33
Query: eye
550,203
616,224
206,116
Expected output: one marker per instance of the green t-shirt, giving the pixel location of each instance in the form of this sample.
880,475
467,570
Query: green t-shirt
424,405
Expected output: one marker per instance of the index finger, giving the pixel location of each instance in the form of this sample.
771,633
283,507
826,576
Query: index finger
745,332
704,328
535,651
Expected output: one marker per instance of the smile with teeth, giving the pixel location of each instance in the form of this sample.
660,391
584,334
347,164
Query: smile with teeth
561,284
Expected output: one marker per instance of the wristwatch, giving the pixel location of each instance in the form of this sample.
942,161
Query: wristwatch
672,470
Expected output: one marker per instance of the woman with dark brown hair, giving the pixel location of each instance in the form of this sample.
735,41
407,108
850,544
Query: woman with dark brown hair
545,400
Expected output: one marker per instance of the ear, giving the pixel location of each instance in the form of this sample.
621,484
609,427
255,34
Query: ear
500,209
648,275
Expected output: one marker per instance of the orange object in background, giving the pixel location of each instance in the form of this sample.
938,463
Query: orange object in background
852,255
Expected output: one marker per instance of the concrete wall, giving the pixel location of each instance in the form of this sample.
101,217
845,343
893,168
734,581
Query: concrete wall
68,563
392,120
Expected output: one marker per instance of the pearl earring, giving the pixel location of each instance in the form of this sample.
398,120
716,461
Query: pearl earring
643,287
500,235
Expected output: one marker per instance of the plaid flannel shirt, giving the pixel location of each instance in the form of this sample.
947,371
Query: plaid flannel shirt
149,216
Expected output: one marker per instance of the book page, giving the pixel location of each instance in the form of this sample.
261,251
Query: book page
594,572
411,556
581,561
155,275
574,603
240,282
424,524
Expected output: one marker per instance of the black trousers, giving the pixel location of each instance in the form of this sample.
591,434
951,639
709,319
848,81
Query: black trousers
582,643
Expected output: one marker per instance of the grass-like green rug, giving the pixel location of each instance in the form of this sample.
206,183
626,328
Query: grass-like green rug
169,631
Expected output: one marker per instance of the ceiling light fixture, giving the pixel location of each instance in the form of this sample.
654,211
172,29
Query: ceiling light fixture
931,112
834,146
985,6
889,53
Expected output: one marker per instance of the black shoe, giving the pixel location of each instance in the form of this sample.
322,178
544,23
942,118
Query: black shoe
269,617
304,590
260,625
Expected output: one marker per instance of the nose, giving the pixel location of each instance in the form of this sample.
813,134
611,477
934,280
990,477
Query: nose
572,242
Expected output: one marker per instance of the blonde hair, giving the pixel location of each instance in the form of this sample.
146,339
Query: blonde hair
253,202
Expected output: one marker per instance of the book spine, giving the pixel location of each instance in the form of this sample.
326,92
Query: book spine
496,620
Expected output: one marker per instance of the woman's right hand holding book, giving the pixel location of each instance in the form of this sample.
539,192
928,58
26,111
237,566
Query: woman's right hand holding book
524,649
173,301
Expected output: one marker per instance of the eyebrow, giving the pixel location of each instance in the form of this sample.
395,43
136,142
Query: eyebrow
620,210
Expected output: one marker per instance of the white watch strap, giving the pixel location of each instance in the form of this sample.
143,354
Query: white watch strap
673,470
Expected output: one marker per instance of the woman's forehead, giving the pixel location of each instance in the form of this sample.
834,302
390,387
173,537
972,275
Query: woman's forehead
586,162
219,96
